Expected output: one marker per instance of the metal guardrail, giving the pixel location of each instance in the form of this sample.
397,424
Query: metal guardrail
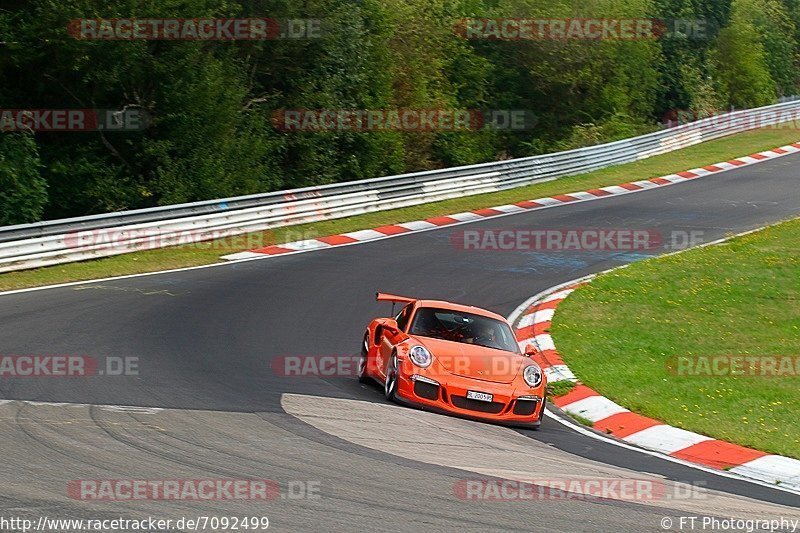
76,239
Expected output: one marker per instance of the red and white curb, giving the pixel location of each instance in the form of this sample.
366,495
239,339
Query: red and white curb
393,230
532,325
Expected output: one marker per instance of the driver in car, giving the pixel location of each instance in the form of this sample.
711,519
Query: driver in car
484,335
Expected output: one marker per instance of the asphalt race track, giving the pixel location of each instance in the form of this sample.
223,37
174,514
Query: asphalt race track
205,340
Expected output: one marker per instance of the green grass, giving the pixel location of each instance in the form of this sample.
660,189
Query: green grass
559,388
186,256
581,419
738,298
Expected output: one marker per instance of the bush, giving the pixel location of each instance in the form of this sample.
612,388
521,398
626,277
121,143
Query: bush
23,191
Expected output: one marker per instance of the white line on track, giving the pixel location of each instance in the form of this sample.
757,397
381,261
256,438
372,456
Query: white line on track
512,317
415,226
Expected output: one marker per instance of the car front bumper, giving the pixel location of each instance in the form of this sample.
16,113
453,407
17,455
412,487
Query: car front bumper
508,406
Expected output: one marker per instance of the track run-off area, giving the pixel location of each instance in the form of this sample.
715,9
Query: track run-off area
206,401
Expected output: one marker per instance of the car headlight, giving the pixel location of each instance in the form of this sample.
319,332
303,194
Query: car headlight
532,375
420,356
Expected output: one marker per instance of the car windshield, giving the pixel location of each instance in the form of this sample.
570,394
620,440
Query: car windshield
461,327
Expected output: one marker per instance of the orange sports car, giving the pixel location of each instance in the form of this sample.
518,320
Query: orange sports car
453,358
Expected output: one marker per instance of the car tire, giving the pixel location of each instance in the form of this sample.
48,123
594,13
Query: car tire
363,377
390,383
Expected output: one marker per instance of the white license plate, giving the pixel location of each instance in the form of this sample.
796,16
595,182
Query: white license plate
481,396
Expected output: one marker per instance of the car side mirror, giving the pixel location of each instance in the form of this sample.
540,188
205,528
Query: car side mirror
531,350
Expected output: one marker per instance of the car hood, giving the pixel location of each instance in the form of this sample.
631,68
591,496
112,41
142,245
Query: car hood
472,361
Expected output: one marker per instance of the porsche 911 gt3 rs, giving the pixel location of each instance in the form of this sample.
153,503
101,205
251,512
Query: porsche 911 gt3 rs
453,358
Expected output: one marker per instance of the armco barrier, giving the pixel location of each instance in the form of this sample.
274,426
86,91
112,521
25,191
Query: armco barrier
75,239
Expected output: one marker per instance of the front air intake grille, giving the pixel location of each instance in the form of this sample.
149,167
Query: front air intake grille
525,407
428,391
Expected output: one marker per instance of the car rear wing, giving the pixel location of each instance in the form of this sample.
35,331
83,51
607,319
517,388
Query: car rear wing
383,297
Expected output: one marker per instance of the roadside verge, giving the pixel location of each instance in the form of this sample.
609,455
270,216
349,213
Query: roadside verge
208,253
532,325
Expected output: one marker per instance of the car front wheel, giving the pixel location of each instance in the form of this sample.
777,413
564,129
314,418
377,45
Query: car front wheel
363,377
390,384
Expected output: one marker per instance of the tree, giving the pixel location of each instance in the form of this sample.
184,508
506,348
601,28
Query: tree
211,101
23,191
740,62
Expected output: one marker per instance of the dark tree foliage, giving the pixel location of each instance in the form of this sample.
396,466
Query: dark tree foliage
211,103
23,191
